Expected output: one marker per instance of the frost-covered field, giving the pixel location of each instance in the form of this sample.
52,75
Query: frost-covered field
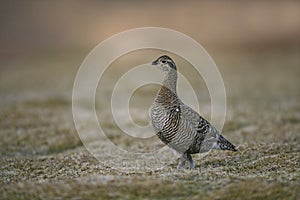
41,155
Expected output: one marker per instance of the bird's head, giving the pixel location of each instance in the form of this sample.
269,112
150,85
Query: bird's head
165,63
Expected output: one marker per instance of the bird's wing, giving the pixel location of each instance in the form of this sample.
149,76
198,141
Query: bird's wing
204,133
194,120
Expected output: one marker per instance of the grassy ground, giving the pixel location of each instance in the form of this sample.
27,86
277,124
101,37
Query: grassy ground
41,155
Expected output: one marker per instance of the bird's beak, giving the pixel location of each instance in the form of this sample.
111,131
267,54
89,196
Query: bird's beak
154,62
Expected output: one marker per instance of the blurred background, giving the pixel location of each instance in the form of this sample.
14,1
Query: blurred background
255,44
38,25
43,39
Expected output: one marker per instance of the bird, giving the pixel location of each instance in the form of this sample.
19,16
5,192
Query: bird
179,126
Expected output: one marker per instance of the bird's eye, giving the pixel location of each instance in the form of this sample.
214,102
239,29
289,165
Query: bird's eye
164,61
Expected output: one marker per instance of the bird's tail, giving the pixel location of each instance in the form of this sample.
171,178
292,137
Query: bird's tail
224,144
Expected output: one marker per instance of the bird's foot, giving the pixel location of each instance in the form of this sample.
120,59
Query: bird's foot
181,165
192,165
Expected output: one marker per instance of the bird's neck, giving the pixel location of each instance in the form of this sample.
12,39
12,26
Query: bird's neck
170,80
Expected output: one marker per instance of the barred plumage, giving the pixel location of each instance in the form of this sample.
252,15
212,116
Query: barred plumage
179,126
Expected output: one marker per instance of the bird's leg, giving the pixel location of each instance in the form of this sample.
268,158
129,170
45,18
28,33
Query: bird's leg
190,159
186,157
182,161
